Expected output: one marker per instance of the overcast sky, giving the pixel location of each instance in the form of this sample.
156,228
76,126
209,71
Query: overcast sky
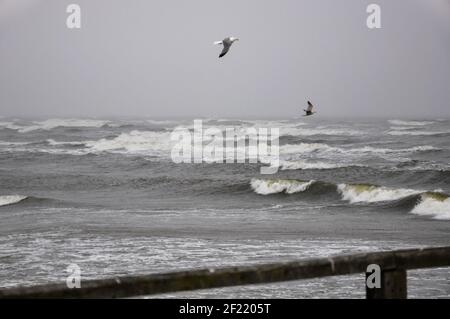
155,58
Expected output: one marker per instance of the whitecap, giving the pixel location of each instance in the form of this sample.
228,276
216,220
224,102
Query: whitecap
303,148
301,164
356,193
273,186
54,123
11,199
57,143
433,204
410,123
147,142
298,131
417,133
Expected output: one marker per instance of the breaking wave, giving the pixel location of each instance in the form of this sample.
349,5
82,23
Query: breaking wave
306,148
324,148
417,133
133,142
301,164
434,204
161,122
410,123
5,143
54,123
11,199
57,143
266,187
296,131
367,193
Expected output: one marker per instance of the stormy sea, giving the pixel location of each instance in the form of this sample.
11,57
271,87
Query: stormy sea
105,194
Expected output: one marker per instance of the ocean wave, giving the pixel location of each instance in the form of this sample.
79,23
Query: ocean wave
266,187
298,131
5,143
306,148
58,143
54,123
162,122
357,193
403,128
369,149
301,164
417,133
11,199
133,142
410,123
10,125
324,148
434,204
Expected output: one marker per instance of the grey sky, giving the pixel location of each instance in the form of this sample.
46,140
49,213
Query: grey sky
156,58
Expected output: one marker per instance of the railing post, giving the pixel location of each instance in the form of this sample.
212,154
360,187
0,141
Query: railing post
393,285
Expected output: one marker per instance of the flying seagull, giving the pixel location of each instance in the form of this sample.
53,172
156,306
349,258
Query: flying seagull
309,109
227,42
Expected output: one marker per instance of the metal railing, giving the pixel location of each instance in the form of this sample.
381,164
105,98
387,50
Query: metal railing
393,266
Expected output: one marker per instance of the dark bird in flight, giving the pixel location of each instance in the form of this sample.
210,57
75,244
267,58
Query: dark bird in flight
309,110
227,42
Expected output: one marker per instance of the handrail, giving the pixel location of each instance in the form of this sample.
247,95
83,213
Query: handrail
393,265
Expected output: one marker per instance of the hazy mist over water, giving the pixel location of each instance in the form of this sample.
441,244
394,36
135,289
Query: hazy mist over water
156,59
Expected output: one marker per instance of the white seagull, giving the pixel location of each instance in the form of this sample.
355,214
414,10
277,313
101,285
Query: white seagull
227,42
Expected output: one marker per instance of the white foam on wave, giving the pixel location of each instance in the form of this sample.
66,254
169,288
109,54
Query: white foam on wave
416,133
57,143
410,123
274,186
299,131
161,122
306,148
403,128
10,125
54,123
433,204
5,143
324,148
301,164
11,199
369,193
134,142
420,148
147,142
281,124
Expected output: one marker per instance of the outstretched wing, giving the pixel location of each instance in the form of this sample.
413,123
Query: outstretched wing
310,107
226,47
